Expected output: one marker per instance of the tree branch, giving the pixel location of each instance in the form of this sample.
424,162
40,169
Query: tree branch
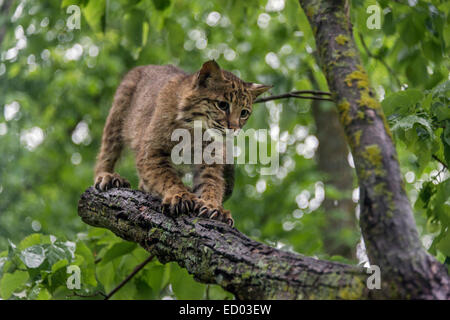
376,57
138,268
216,253
435,157
299,94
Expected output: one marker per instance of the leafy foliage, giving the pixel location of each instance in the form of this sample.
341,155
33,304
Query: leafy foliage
57,84
37,268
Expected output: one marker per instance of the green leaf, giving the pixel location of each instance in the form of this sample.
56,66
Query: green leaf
408,122
134,27
33,239
66,3
94,14
44,295
84,251
154,276
184,286
400,102
441,203
432,50
118,250
33,256
58,274
442,90
441,111
427,191
416,71
11,282
106,276
56,253
446,133
217,293
446,146
60,264
161,5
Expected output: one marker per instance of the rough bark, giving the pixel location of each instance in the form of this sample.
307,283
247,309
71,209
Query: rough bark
216,253
386,217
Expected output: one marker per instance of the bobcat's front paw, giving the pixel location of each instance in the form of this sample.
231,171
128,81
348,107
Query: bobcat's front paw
212,211
106,180
179,203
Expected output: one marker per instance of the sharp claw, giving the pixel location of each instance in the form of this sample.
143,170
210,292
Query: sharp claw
214,214
180,207
203,211
230,222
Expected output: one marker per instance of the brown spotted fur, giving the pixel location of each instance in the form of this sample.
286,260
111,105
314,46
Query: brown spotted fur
149,104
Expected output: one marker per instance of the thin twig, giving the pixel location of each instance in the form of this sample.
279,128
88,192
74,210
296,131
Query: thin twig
314,92
440,161
130,276
370,54
298,95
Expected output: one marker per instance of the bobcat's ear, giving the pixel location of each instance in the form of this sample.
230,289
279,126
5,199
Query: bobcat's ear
257,89
210,71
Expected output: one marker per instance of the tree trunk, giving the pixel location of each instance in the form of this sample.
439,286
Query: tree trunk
386,217
332,161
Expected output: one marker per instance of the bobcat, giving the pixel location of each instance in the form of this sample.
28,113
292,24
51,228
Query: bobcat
149,104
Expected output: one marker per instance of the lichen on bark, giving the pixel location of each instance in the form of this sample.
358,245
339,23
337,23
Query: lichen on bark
215,253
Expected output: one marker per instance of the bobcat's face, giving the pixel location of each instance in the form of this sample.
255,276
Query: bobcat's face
220,99
227,107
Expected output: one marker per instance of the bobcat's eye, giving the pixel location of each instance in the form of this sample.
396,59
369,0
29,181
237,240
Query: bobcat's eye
245,113
223,105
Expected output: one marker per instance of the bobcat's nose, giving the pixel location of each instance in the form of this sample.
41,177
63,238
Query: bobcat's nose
233,125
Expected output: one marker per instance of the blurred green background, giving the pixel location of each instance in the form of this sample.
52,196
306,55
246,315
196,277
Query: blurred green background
57,85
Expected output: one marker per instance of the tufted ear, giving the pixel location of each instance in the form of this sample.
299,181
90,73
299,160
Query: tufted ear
257,89
210,71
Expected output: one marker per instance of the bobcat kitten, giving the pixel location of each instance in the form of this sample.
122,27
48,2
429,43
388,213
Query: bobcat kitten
149,104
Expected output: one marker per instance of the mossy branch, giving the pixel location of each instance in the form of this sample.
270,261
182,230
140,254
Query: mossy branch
216,253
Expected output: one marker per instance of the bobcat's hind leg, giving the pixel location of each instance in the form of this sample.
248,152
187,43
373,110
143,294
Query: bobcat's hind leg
112,139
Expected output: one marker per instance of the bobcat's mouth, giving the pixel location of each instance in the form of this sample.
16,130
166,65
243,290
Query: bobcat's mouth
220,128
